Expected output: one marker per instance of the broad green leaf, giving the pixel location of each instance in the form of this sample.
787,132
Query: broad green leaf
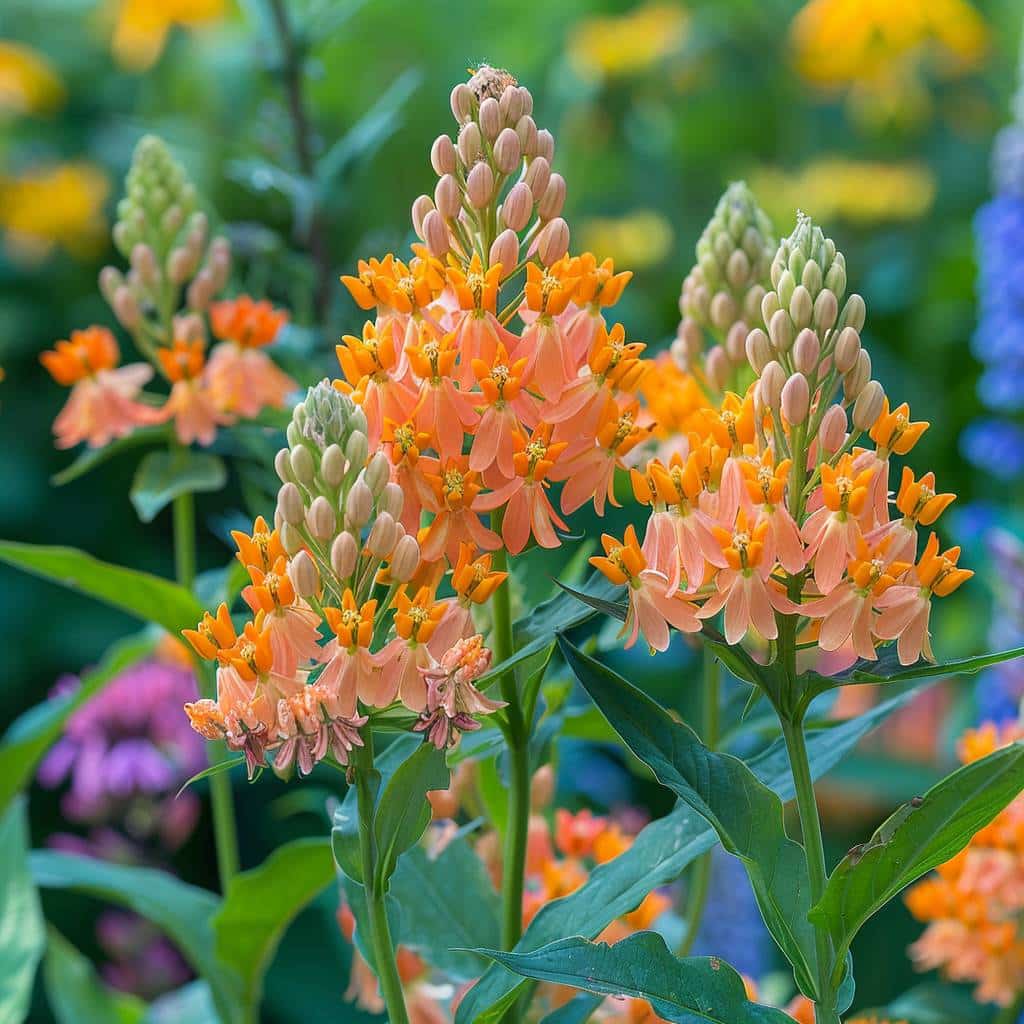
576,1011
163,476
31,735
148,598
76,993
259,905
919,836
641,966
403,811
184,912
657,857
745,813
190,1004
90,458
448,906
935,1004
22,935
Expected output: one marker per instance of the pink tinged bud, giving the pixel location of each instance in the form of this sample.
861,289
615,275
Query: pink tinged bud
126,308
826,309
854,381
377,473
505,250
110,280
291,539
290,504
344,555
144,264
527,97
518,206
179,265
847,350
283,465
508,152
447,197
723,310
832,432
689,333
538,174
854,313
752,303
806,350
382,536
546,145
553,200
773,377
511,105
490,118
758,349
420,208
359,505
717,367
392,500
480,185
796,399
304,575
470,144
735,343
526,129
320,519
201,291
442,155
219,262
553,241
868,406
405,559
737,269
462,101
435,234
801,307
780,330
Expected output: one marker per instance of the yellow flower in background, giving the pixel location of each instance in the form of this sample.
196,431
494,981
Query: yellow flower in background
638,239
142,26
28,84
605,47
840,42
53,206
859,191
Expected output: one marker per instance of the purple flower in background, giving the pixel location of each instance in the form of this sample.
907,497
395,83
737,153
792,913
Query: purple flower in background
126,752
1000,689
142,960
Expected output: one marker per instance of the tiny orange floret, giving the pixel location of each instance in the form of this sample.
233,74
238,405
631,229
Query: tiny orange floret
183,360
623,561
917,499
472,578
86,353
352,624
213,635
249,324
262,549
894,432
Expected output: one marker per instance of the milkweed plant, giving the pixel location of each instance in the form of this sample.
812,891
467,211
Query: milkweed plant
380,624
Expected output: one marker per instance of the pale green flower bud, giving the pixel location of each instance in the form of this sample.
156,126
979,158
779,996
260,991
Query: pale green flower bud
854,313
333,465
801,306
326,416
810,277
847,349
303,469
723,310
377,473
283,466
392,500
357,449
785,288
344,554
291,539
769,306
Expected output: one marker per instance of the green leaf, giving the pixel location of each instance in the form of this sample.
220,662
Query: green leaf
259,905
21,920
576,1011
448,906
163,476
146,597
403,811
935,1004
919,836
746,814
76,993
214,769
31,735
641,966
657,857
90,458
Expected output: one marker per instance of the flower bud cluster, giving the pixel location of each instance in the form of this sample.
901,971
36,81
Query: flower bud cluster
722,295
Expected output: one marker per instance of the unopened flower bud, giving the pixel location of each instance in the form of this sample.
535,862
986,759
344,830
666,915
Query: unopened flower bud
126,308
405,559
511,105
470,144
143,262
201,291
320,518
447,197
359,505
462,101
847,349
420,208
179,265
480,185
291,539
758,349
526,129
283,465
769,306
737,268
553,200
857,378
773,377
332,466
377,473
490,118
517,207
344,555
172,220
806,350
735,343
826,309
553,241
218,262
780,330
835,279
357,448
810,277
382,536
304,576
538,174
302,465
832,432
546,145
717,367
854,313
505,250
868,406
392,500
435,234
442,155
723,310
290,505
508,151
785,289
689,333
796,399
801,307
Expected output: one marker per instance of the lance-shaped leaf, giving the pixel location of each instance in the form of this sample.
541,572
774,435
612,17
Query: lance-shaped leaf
140,594
641,966
164,476
260,904
576,1011
744,812
31,734
658,856
921,835
90,458
22,935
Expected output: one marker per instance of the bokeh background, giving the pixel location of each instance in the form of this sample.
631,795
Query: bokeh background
309,139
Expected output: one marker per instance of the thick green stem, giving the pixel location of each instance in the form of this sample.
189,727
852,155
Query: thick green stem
221,801
700,875
380,930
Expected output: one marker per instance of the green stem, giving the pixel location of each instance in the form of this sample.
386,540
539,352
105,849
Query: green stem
185,538
700,875
380,930
1011,1014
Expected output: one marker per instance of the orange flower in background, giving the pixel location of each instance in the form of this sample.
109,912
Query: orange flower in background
28,82
191,403
142,27
246,322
